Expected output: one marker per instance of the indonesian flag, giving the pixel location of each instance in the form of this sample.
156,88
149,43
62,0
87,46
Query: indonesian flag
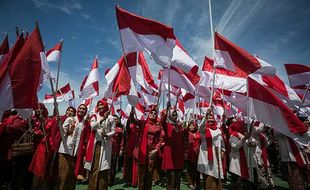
189,100
280,89
90,85
63,94
118,80
179,78
140,72
139,33
231,57
4,47
140,110
237,100
224,79
122,113
183,61
88,102
298,75
53,55
269,109
20,78
148,99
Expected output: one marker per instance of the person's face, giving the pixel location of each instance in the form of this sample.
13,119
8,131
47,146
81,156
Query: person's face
100,107
70,112
82,110
174,115
192,127
152,115
210,120
116,120
38,112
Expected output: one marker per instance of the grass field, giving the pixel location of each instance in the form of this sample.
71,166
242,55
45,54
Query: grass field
280,184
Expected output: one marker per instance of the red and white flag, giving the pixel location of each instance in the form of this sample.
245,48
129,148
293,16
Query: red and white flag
179,78
280,89
269,109
118,80
140,111
233,58
20,79
4,48
65,93
298,75
139,33
90,85
183,61
140,72
53,55
224,79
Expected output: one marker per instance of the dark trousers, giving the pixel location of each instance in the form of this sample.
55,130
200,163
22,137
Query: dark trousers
174,179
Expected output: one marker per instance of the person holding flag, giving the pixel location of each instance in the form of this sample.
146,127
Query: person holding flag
99,149
150,143
173,158
71,149
211,153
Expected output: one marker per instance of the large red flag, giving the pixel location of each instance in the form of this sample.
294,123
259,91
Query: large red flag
298,75
4,47
20,81
139,33
118,79
233,58
270,110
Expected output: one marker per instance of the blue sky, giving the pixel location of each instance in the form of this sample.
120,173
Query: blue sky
277,31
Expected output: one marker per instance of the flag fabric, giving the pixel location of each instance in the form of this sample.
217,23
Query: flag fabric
224,79
11,55
45,71
53,55
140,72
179,78
65,93
139,109
269,109
19,83
4,48
87,102
147,99
298,75
118,80
139,33
183,61
280,89
90,85
231,57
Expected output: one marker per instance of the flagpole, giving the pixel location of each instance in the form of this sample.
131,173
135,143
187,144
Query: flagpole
304,98
58,65
120,106
169,98
56,108
248,122
159,95
212,36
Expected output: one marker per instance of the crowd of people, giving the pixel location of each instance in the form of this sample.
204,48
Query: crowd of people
55,152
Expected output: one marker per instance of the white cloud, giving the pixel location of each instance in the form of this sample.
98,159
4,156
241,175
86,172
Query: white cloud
86,16
66,6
